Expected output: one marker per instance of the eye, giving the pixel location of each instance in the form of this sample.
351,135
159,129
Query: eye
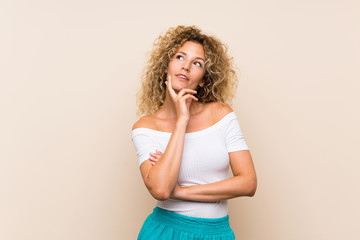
198,64
179,57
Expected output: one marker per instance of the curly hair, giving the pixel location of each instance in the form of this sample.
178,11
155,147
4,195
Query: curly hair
220,80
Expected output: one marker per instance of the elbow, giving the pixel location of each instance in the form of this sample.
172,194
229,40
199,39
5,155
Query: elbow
252,192
158,191
160,194
252,187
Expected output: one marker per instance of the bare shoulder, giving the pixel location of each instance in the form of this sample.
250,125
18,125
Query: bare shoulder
144,122
220,110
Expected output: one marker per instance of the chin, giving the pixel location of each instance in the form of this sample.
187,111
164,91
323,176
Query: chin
177,87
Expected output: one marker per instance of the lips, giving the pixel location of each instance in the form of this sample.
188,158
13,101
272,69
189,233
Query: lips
184,77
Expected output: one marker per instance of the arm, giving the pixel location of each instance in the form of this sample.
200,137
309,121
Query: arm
243,183
161,179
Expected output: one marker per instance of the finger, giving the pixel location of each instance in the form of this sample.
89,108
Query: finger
169,86
152,159
158,152
189,96
155,155
186,91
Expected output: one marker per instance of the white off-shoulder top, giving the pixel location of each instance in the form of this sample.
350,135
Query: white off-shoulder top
205,160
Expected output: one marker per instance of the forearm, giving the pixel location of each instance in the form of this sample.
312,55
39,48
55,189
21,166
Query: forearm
163,176
233,187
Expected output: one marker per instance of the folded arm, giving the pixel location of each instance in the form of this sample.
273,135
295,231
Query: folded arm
243,183
160,179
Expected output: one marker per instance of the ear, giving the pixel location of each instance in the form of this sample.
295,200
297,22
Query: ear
202,83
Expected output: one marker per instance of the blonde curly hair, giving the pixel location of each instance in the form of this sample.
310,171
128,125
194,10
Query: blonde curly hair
220,78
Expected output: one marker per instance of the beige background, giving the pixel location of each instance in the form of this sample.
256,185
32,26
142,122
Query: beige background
69,72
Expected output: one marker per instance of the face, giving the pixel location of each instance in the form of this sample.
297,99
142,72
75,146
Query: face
187,67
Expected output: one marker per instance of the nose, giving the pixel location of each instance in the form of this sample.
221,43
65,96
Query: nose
186,66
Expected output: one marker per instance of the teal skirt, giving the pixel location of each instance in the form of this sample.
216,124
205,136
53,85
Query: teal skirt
163,224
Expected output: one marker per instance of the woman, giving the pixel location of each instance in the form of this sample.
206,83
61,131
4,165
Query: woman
189,137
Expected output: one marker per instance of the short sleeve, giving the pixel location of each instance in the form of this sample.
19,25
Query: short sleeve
144,144
234,138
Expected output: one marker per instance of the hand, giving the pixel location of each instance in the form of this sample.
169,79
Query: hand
181,100
154,157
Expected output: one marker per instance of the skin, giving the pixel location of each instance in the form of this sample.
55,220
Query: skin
182,113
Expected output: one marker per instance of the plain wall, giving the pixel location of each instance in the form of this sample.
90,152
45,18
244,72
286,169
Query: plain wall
69,72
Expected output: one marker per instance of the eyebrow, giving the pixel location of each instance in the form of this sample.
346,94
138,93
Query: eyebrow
195,58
